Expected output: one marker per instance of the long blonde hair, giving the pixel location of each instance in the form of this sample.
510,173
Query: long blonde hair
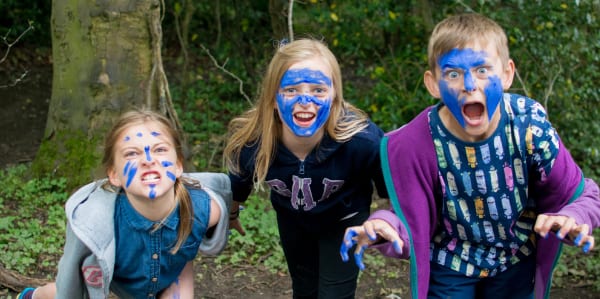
261,123
182,196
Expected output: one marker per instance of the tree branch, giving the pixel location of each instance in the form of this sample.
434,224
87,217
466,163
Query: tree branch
222,68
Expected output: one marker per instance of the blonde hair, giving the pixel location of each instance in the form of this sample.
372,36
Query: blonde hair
261,124
182,196
459,30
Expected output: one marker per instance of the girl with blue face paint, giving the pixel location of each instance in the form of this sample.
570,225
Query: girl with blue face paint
136,233
483,191
318,155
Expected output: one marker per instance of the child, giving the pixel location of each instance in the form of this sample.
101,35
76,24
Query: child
479,181
318,154
135,233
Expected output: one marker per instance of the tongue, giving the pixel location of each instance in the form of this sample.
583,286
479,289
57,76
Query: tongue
473,110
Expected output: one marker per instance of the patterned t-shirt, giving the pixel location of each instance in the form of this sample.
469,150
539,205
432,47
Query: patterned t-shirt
487,216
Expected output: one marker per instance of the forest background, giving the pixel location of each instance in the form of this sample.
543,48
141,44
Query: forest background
215,53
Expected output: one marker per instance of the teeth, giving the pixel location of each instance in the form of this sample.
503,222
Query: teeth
150,177
304,115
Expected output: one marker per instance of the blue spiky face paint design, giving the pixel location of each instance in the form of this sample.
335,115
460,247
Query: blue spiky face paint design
304,86
147,157
464,70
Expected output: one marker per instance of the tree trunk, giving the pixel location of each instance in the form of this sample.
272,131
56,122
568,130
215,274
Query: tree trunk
106,60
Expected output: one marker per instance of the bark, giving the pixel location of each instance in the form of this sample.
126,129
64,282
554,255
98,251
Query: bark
106,60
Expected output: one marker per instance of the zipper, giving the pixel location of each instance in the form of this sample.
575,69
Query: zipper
301,170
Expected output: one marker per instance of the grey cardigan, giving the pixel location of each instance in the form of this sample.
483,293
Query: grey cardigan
90,242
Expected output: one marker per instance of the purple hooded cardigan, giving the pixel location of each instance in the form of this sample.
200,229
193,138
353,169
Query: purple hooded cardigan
410,168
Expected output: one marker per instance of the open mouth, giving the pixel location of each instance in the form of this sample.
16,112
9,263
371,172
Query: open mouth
304,119
150,177
473,113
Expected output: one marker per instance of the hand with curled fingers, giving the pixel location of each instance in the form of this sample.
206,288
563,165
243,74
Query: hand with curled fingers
372,231
565,227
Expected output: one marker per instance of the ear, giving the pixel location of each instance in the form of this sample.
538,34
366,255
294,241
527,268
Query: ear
178,169
114,179
508,74
432,84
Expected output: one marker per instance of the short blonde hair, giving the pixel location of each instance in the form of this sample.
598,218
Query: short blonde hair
459,30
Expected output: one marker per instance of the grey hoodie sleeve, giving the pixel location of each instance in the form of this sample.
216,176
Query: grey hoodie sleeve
218,186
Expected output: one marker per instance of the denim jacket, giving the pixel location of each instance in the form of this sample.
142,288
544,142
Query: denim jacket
86,268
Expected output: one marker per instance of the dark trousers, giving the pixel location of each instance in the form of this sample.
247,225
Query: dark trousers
313,257
517,282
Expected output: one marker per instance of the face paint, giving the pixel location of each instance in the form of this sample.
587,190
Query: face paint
286,104
462,61
130,170
147,151
152,194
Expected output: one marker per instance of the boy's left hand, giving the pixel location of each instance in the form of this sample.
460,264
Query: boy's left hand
564,227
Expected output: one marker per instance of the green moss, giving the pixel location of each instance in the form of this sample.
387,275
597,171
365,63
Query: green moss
72,154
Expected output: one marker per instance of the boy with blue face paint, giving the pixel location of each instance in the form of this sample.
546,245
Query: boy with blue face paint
318,155
483,191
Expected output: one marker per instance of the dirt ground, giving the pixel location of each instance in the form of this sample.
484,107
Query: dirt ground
23,110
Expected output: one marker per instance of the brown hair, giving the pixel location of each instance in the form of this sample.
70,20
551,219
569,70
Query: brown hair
460,30
261,123
182,196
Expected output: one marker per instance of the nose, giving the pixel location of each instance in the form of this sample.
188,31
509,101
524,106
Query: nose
304,99
147,157
469,82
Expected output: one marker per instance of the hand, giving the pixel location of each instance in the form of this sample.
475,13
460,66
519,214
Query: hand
565,227
364,235
237,225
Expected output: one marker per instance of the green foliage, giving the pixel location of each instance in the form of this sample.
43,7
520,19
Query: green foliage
575,266
260,245
77,160
32,221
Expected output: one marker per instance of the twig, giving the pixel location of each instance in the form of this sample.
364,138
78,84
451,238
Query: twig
10,45
290,20
222,68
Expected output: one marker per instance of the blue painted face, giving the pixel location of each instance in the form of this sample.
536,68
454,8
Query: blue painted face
131,166
470,67
290,94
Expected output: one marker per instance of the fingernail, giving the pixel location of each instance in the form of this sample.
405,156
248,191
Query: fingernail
373,237
586,247
397,247
578,239
558,235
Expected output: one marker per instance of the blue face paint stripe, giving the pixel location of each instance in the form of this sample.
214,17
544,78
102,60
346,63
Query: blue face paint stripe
127,138
166,163
152,194
126,168
131,174
139,134
147,151
171,176
154,133
305,75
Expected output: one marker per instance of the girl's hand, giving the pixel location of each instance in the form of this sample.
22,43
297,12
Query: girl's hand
362,236
565,227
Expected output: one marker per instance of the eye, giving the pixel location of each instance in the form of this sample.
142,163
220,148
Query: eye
289,91
130,154
161,149
482,71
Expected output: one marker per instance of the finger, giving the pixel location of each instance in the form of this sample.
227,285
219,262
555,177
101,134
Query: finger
358,254
370,230
347,243
588,245
583,231
543,225
398,246
566,224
